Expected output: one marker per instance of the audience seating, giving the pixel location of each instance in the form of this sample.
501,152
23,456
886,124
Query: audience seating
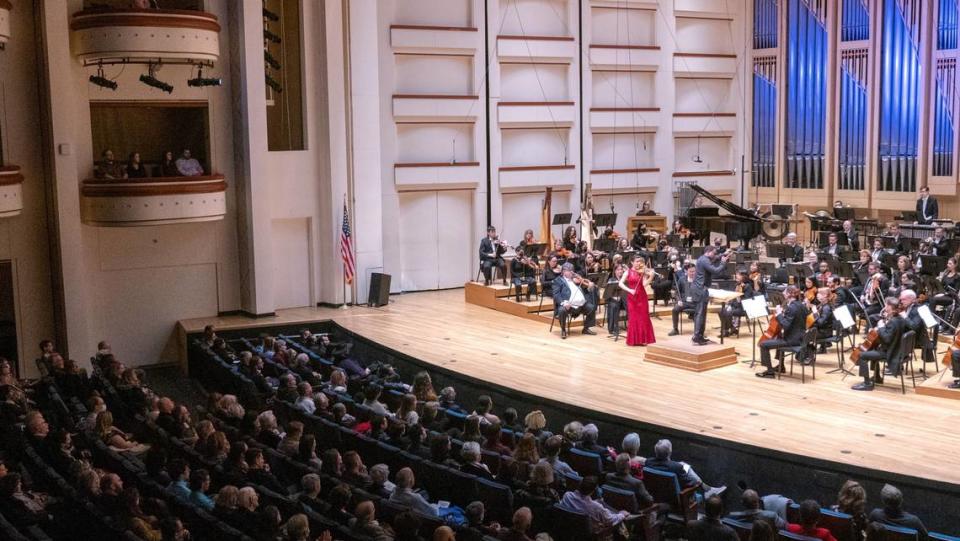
665,488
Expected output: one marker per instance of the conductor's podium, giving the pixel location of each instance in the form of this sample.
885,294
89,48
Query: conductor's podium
680,352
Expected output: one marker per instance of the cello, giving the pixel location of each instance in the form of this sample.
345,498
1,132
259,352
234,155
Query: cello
948,355
870,342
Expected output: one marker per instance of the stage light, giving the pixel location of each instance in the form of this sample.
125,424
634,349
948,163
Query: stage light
270,60
150,80
200,80
272,83
102,81
270,36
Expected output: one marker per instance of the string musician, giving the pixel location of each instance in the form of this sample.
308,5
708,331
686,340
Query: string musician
954,358
822,311
617,303
683,282
574,295
882,344
733,311
950,279
874,291
491,256
791,320
523,272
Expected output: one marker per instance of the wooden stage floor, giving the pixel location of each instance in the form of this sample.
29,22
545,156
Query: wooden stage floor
908,434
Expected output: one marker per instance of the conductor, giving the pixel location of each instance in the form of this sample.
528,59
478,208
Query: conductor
709,265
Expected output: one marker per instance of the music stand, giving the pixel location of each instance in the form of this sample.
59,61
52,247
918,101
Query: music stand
755,308
844,213
605,245
776,251
562,219
605,220
932,264
799,271
908,216
847,322
535,250
766,269
658,259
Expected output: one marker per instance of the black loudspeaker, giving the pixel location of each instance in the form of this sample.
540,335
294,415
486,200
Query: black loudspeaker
379,289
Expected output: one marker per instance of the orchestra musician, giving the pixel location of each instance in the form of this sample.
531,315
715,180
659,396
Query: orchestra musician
889,329
927,208
938,244
823,274
853,240
640,238
792,319
841,295
491,256
570,239
685,304
832,247
894,232
528,240
756,277
955,368
878,250
950,279
903,271
707,269
873,291
733,310
663,285
791,240
523,272
617,303
910,310
574,296
645,210
550,272
823,311
634,282
623,245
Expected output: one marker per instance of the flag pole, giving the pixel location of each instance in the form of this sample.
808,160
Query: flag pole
343,274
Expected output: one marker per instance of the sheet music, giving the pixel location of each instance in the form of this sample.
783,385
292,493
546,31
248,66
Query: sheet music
927,316
843,315
723,295
755,307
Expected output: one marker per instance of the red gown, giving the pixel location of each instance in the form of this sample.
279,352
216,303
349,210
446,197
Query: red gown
639,326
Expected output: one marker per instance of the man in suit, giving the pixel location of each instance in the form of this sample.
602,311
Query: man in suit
685,302
710,528
890,330
752,511
939,242
832,247
573,297
662,460
792,319
927,208
892,512
911,314
707,268
624,480
491,255
791,241
853,239
897,243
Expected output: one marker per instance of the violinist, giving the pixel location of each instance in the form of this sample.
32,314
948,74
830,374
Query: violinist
823,274
550,273
574,296
663,285
623,246
792,318
890,328
904,268
955,368
950,278
733,310
523,272
683,282
756,277
491,256
570,239
823,312
910,310
528,240
840,295
810,291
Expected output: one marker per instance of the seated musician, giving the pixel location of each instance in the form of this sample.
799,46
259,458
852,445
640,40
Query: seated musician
878,250
955,368
890,328
570,239
590,265
904,268
617,303
897,239
528,240
640,238
491,256
791,240
759,286
574,296
823,274
663,285
550,272
865,258
938,244
852,237
733,310
823,312
523,272
841,295
950,279
623,245
832,247
910,310
924,249
645,210
873,292
684,296
792,319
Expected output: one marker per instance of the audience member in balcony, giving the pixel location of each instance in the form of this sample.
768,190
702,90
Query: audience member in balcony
470,455
269,524
165,419
307,451
354,470
63,454
109,168
623,479
95,406
407,412
19,507
761,531
423,387
12,406
471,429
132,391
69,377
710,528
588,441
526,450
365,524
300,365
510,421
440,451
484,409
892,512
448,400
406,527
225,504
287,390
258,471
571,435
809,518
753,511
188,166
536,424
404,494
476,527
875,532
290,444
376,428
541,485
37,430
179,472
663,461
297,528
247,503
581,500
416,435
339,498
492,441
551,452
522,519
168,166
111,487
136,169
337,383
235,467
216,448
332,463
172,529
340,415
267,432
88,484
134,519
305,402
380,483
309,495
852,500
371,399
230,410
116,438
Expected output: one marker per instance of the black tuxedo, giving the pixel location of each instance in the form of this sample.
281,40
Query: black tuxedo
685,301
897,245
888,350
488,261
853,241
562,293
706,271
833,249
932,212
940,247
793,322
915,323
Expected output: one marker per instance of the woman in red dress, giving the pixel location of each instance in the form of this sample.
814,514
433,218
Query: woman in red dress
634,282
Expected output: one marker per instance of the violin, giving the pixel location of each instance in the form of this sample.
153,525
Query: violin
948,355
577,279
810,294
870,342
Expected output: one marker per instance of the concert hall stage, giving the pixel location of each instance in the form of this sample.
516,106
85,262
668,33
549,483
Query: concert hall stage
781,433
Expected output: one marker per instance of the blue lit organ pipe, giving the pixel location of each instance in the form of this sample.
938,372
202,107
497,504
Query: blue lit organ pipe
947,19
806,93
764,24
764,121
854,21
943,129
899,95
853,119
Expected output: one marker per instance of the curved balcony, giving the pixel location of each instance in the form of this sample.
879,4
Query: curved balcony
5,7
152,201
11,182
145,35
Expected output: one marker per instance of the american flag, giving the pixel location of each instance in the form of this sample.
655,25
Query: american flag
346,247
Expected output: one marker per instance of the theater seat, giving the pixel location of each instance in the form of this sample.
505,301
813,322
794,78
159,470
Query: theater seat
463,487
619,499
497,498
569,525
584,462
896,533
665,488
841,525
742,528
784,535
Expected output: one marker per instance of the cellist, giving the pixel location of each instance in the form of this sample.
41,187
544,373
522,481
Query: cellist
792,318
955,367
889,330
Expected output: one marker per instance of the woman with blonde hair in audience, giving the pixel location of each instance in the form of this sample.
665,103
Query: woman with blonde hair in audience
134,519
230,408
337,383
297,528
267,432
407,412
423,387
116,438
852,500
536,424
225,503
205,429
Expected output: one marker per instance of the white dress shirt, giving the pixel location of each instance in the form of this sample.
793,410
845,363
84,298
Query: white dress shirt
576,294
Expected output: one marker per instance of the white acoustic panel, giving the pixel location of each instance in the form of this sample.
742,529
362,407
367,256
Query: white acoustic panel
705,95
623,151
535,18
291,271
534,147
422,74
623,26
429,143
433,12
714,154
622,89
534,82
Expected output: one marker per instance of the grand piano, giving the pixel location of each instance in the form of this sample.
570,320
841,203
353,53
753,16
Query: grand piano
737,224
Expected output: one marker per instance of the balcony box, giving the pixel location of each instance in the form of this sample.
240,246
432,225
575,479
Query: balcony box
625,119
435,107
153,201
704,124
145,35
421,39
625,57
11,182
705,65
536,114
537,176
411,176
5,7
537,49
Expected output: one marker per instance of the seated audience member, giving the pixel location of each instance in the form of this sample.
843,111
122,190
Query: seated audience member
354,470
339,498
581,500
290,444
188,166
536,423
540,487
852,500
172,529
168,166
134,519
471,429
235,467
332,463
307,451
809,517
624,480
484,410
371,399
688,478
423,387
199,485
116,438
337,383
179,472
297,528
892,512
448,400
444,533
406,527
380,481
248,501
526,450
165,419
364,523
522,519
259,471
440,451
588,440
95,406
111,487
761,531
109,168
225,504
269,524
309,495
136,169
471,455
476,528
407,412
571,435
752,511
21,508
267,432
305,402
710,528
215,448
404,494
492,442
510,420
551,452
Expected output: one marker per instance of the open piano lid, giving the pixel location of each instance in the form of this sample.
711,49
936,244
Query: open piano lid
732,208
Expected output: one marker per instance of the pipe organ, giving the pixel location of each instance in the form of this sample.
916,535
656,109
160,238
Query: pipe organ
806,82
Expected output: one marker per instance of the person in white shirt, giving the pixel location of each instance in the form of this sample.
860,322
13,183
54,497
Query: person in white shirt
305,401
574,296
188,165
